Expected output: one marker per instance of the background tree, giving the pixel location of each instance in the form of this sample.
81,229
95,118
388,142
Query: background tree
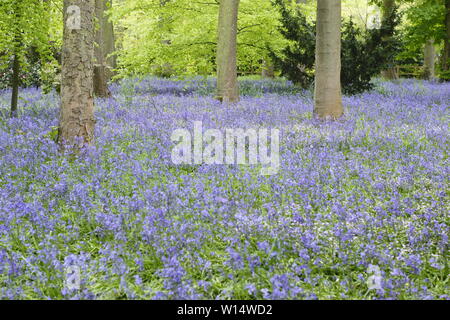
76,127
364,53
227,85
296,60
24,28
104,49
429,60
388,9
191,29
327,95
16,66
424,24
446,51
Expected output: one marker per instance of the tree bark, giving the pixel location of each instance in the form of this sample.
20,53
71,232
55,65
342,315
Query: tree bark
15,86
429,59
387,10
15,81
104,46
109,44
76,127
268,70
227,85
446,53
327,95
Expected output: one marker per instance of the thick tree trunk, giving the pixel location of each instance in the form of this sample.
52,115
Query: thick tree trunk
102,71
227,85
387,10
429,59
15,86
76,127
446,53
327,95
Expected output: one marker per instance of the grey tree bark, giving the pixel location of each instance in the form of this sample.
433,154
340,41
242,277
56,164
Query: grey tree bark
227,85
429,60
77,122
327,93
104,38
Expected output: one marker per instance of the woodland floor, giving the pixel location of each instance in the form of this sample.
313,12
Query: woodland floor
365,194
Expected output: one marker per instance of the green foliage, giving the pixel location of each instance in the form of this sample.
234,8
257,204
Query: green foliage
359,65
180,37
23,25
50,76
296,60
443,75
364,52
26,30
52,134
424,21
29,75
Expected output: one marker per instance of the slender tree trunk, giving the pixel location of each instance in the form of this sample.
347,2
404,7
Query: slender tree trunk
268,70
328,96
387,10
446,53
227,85
15,83
429,59
15,86
101,68
76,127
109,44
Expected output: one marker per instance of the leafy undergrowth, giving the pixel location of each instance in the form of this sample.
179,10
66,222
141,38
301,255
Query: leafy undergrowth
371,189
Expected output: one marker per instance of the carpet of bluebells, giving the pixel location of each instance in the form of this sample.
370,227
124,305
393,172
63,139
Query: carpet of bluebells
369,191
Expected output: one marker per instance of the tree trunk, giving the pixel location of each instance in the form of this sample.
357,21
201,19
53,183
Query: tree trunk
15,83
76,127
15,86
387,10
327,95
227,85
109,44
429,59
268,70
102,71
446,53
